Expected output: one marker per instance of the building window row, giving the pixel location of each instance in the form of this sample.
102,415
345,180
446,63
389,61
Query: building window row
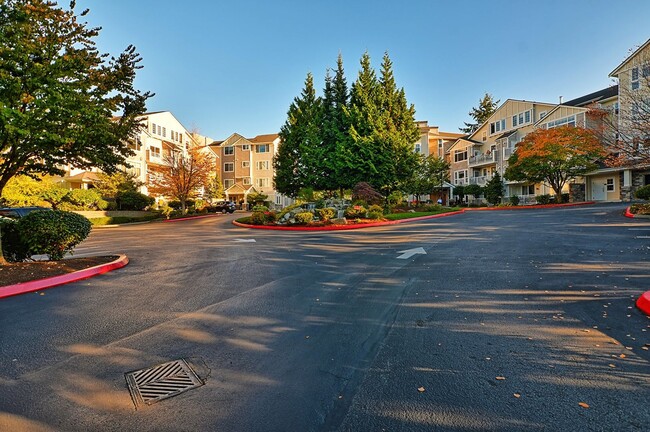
497,126
262,148
460,155
155,152
263,165
521,118
565,121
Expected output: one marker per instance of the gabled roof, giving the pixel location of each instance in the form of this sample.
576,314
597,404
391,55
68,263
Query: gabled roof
268,138
502,105
596,96
84,177
557,107
238,187
627,60
507,134
473,142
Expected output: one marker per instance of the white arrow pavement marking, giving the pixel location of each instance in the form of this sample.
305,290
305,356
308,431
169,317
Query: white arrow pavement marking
406,254
244,240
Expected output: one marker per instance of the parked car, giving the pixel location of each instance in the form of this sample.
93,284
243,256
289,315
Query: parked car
18,212
223,207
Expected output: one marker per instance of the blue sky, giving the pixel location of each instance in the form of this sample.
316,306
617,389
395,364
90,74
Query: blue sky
235,66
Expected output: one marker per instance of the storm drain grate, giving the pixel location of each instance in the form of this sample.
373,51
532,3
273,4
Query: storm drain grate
151,385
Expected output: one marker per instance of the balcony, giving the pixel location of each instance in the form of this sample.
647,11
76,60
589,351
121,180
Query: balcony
483,159
460,182
480,180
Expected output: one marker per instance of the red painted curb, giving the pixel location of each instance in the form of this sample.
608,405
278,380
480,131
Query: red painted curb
628,214
643,303
41,284
190,218
376,224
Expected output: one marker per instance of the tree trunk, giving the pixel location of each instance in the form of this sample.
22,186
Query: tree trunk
182,206
558,194
3,261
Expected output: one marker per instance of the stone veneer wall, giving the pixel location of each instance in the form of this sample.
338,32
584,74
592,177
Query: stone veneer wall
627,193
577,192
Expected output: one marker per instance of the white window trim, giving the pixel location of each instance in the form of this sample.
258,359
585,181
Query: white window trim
229,164
229,148
245,164
607,185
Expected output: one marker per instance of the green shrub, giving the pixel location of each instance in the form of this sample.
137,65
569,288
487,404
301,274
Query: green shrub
514,200
364,192
132,200
431,208
641,209
325,214
375,212
258,218
355,212
643,192
304,218
543,199
565,197
53,233
260,208
13,248
85,199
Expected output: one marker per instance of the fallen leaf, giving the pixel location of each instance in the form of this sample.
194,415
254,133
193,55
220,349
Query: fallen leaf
421,389
612,365
584,405
622,356
500,378
517,395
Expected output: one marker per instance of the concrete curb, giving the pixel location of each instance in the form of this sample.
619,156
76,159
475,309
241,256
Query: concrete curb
415,219
643,303
41,284
190,218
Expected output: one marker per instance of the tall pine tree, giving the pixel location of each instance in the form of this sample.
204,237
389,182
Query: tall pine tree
296,162
486,107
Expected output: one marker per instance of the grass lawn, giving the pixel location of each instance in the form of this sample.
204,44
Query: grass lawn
407,215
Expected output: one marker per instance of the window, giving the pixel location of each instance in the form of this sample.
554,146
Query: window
542,114
229,167
153,128
155,152
521,118
492,128
246,181
527,116
514,121
262,165
159,130
566,121
278,199
484,136
635,78
164,134
418,148
246,147
645,71
262,182
460,155
228,151
609,185
503,124
245,164
460,176
262,148
227,183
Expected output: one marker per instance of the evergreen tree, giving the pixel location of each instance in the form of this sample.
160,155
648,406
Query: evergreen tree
295,163
494,190
486,107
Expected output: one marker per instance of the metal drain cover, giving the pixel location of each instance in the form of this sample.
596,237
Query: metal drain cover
151,385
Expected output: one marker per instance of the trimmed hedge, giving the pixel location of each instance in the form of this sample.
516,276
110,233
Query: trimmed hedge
53,233
643,192
13,248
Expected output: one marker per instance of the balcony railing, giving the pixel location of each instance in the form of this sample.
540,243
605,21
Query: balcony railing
507,152
480,180
483,158
460,182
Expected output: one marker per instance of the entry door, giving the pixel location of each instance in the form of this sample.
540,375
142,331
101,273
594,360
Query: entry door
598,192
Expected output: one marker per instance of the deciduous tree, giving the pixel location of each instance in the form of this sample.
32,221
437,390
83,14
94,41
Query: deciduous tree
555,156
184,175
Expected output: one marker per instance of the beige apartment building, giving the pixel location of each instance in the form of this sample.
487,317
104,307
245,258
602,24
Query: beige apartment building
246,166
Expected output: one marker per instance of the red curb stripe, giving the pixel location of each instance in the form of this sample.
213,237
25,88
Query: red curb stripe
376,224
190,218
628,213
41,284
643,303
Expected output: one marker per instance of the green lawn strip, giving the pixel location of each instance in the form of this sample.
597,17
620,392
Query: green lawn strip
410,215
116,220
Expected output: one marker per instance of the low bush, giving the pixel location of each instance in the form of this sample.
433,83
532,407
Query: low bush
543,199
326,213
108,220
366,193
132,200
304,218
565,197
375,212
13,248
53,233
514,200
260,208
640,209
258,218
355,212
643,193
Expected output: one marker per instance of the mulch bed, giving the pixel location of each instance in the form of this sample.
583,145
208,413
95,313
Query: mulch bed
14,273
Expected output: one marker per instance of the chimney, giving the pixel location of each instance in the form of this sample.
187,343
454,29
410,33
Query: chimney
561,100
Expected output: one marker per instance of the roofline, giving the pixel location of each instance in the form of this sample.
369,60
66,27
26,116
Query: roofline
557,108
501,106
619,67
